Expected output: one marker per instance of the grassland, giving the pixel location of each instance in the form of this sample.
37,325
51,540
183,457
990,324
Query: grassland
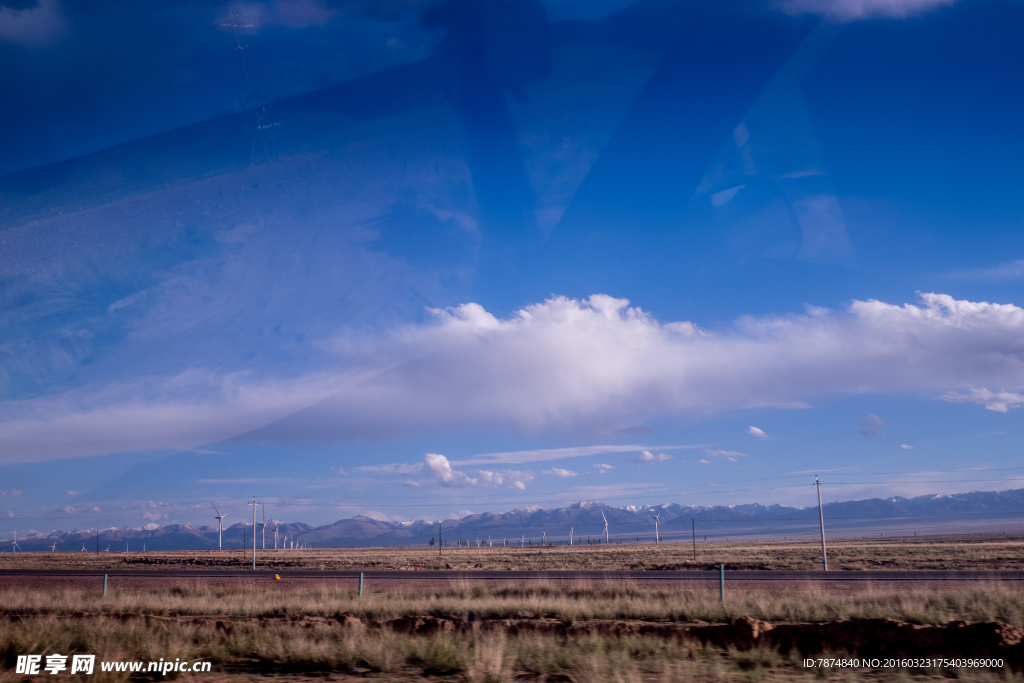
989,553
589,632
515,630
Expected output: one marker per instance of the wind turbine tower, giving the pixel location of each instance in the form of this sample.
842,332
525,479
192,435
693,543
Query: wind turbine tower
14,545
657,536
605,527
220,527
570,535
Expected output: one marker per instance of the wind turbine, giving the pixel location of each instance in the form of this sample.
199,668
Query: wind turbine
570,535
53,548
220,527
657,537
276,527
14,546
263,526
605,527
543,538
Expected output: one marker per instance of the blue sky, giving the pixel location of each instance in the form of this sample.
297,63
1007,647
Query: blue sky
415,258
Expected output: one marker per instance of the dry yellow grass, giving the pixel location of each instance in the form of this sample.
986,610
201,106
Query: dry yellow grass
577,601
857,555
303,629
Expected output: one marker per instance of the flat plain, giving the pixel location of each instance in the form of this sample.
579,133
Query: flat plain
457,629
982,553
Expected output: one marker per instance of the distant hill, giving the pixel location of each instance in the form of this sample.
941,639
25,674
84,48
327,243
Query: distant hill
930,514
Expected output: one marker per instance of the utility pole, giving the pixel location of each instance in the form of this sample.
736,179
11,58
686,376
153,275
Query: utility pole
693,528
821,518
254,533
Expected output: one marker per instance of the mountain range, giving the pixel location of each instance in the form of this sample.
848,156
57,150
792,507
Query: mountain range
979,511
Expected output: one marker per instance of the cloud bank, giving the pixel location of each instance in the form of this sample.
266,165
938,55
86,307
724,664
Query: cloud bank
562,367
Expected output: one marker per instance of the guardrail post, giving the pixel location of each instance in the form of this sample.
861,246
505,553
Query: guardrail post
104,585
360,584
721,582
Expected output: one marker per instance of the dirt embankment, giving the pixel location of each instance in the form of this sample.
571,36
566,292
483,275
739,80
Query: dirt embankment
864,638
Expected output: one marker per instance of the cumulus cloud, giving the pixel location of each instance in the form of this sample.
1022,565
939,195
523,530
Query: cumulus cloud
601,468
759,433
560,367
907,447
648,457
849,10
999,401
871,426
559,472
438,467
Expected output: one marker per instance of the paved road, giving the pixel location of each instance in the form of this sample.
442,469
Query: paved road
695,576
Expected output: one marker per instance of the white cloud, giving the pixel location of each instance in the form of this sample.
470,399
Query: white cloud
510,478
871,426
437,466
69,492
602,469
848,10
759,433
563,367
999,401
151,526
704,462
648,457
907,447
559,472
